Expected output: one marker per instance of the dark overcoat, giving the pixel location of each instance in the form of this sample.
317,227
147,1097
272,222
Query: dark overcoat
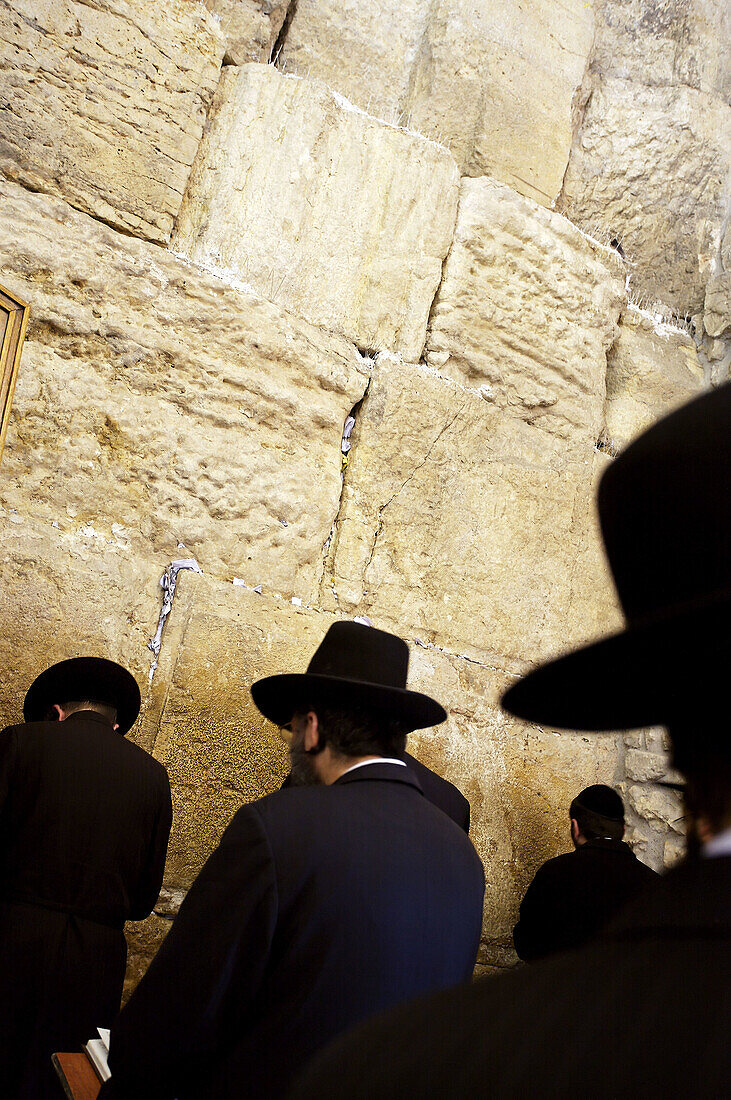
575,895
84,822
441,792
643,1012
320,906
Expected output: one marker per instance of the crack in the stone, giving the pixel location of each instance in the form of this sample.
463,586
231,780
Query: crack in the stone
414,472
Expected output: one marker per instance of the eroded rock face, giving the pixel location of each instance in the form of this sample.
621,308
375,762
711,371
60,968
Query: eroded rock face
527,309
336,216
250,27
652,368
498,88
155,399
68,593
665,43
465,526
104,103
651,169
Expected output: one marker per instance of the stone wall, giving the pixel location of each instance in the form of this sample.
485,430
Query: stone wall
470,227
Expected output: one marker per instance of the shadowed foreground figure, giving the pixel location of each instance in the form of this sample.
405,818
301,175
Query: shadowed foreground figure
84,824
345,894
646,1010
575,895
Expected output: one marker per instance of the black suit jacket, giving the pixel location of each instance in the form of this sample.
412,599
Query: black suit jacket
645,1011
320,906
440,791
84,824
575,895
84,819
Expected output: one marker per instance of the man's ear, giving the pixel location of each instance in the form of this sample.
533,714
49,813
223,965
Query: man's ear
575,830
58,712
312,732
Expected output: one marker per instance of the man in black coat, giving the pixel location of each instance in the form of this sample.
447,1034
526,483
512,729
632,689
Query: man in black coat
323,903
644,1010
573,896
84,824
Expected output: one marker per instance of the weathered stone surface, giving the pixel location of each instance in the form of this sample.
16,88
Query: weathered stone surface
465,526
650,167
496,84
155,400
104,102
64,593
645,766
338,217
221,753
659,806
250,27
527,308
144,939
665,42
674,851
652,368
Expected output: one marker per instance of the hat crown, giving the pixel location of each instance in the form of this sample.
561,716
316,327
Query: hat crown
81,678
665,510
353,651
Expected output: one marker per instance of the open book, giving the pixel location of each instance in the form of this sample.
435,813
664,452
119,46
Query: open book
97,1051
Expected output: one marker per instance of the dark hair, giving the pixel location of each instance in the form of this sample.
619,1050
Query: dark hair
599,812
73,706
357,732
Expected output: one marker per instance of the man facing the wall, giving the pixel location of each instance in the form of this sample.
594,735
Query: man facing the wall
573,896
340,896
84,823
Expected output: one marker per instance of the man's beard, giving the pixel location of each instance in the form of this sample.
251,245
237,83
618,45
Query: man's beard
303,772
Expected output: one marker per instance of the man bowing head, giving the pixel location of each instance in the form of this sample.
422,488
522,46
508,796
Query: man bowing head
346,893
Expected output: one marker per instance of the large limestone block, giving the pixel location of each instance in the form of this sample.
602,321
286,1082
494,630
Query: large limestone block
250,27
69,593
671,42
527,309
103,103
652,368
152,398
465,526
340,218
498,84
650,167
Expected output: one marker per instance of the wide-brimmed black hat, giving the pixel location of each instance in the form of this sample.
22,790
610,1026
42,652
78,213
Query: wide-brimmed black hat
356,666
93,679
665,511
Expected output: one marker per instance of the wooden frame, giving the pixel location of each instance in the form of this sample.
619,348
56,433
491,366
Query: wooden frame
13,323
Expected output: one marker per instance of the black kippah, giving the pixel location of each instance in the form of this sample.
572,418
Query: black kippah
601,800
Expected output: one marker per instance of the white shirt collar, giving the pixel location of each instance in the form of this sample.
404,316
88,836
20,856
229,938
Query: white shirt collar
378,760
718,845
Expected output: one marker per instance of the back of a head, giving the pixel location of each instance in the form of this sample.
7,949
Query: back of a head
76,706
359,731
599,812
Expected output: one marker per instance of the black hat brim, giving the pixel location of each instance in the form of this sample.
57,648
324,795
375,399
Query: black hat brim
277,697
646,675
82,678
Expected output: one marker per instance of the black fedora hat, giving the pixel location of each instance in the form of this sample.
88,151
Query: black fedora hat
357,666
665,511
95,679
